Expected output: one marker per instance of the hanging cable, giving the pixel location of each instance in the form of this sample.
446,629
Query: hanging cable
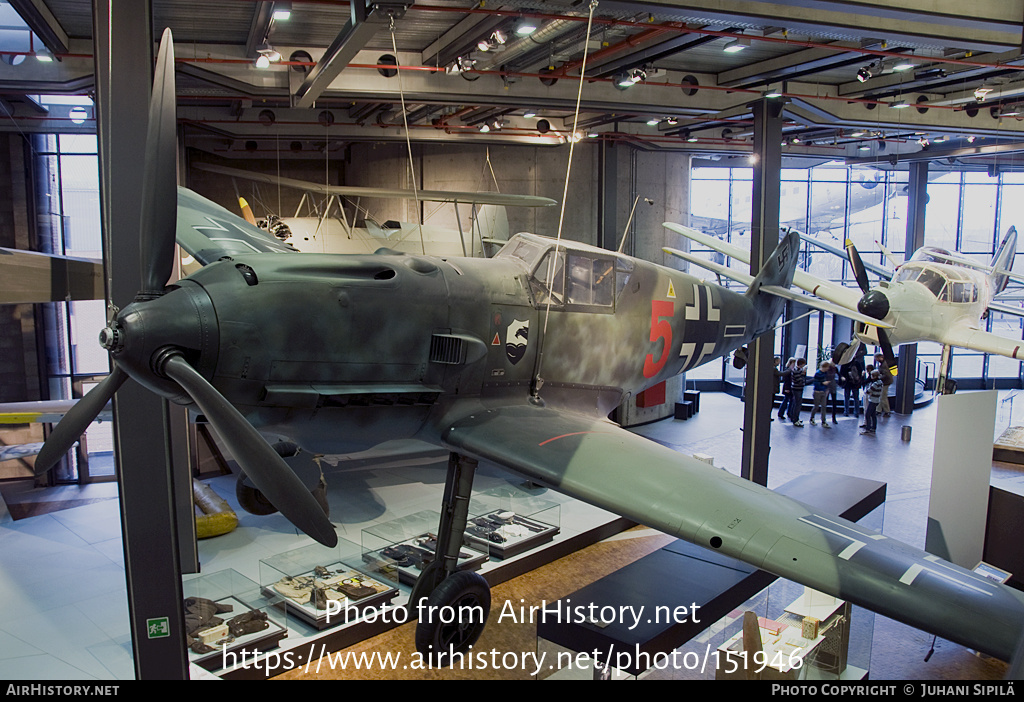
408,142
537,382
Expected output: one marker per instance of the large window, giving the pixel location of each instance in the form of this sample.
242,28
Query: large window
966,211
68,216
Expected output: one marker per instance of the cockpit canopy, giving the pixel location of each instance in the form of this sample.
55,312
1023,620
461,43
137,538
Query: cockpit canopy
947,284
569,274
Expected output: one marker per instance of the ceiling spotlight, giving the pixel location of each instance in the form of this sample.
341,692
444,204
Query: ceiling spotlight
898,104
865,73
653,121
903,65
981,93
630,78
1010,111
923,141
267,55
592,135
282,11
525,27
858,133
671,121
738,44
971,138
496,124
462,63
484,127
772,93
44,56
529,113
863,147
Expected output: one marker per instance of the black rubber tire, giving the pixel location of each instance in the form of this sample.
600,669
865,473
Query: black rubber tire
838,351
252,500
464,593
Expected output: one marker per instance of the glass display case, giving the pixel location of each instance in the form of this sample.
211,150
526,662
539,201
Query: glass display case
229,619
400,549
507,521
325,586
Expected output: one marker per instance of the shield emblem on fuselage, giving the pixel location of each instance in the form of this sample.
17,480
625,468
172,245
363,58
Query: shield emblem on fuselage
516,339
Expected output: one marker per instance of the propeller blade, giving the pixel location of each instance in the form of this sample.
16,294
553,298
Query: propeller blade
890,357
268,471
77,420
160,181
247,211
859,272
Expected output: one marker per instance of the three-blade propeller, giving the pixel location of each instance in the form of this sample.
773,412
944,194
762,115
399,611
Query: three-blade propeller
873,303
267,470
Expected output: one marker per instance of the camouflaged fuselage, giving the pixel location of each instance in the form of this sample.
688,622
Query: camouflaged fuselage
339,353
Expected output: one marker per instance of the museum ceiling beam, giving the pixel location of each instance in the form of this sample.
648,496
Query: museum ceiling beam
989,25
363,24
42,23
460,39
794,65
656,52
262,17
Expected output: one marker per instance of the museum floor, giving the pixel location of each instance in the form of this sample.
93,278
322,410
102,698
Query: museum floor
62,580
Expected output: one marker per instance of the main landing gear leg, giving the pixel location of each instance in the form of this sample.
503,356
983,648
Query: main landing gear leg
451,606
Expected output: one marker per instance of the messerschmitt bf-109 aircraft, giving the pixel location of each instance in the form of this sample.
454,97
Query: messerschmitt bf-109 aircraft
325,234
935,296
514,360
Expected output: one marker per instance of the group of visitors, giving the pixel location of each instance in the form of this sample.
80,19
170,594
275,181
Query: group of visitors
873,378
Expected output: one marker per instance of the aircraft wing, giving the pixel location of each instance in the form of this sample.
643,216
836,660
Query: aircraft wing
1006,309
747,279
600,463
29,276
208,231
358,191
880,271
842,296
962,336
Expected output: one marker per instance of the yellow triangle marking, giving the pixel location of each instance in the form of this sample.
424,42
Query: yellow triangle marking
671,290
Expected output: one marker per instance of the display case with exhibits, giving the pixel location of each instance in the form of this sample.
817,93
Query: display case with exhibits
325,586
400,549
229,618
510,521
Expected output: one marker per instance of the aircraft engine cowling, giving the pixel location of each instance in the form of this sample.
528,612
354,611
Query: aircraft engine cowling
874,304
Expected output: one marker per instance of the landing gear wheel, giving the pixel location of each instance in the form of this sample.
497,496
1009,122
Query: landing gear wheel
453,617
251,499
254,502
838,351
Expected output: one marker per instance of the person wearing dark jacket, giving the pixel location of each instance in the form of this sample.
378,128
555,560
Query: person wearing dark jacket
798,380
786,377
850,375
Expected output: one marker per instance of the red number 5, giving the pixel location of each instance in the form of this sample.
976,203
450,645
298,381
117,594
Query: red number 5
660,329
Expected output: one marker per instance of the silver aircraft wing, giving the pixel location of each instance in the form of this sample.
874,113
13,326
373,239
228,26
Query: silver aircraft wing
840,295
600,463
747,279
881,271
485,198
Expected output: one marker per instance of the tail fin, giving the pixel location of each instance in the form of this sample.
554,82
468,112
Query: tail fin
777,270
1003,260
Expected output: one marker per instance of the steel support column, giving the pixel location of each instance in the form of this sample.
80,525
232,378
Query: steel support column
146,491
764,237
607,195
906,376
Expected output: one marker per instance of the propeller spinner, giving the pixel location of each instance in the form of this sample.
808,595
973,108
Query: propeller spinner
874,303
162,339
